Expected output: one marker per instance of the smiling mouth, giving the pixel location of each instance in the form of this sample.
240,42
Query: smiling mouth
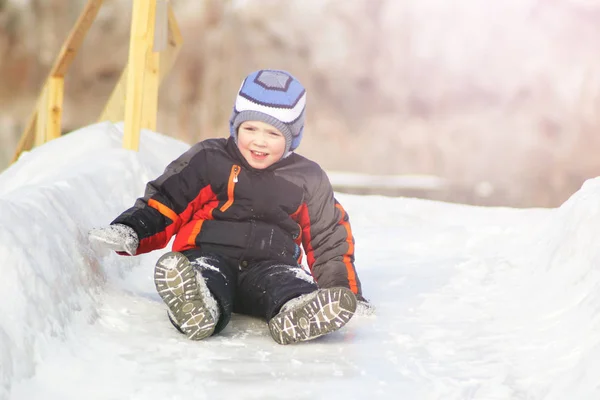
259,153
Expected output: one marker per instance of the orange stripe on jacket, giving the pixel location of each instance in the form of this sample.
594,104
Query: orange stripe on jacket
164,210
233,176
347,260
195,232
161,239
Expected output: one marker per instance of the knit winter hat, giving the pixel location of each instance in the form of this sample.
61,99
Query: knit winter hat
274,97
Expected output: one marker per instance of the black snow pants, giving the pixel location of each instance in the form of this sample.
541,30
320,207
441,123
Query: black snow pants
256,288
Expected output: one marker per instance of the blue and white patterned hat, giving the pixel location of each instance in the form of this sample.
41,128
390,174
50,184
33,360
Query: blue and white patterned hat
274,97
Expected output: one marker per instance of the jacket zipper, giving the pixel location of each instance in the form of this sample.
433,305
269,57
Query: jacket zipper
233,179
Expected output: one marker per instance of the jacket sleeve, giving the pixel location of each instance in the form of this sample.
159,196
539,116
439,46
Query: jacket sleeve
169,201
327,238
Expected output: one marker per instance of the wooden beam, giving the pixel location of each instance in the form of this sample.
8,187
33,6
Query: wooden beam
151,78
114,110
58,70
150,98
42,118
76,37
54,106
169,56
140,44
49,111
148,33
161,27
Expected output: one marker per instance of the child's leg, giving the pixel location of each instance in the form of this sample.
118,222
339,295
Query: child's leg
264,287
190,295
287,297
219,274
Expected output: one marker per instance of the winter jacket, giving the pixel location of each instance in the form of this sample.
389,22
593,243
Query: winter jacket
211,198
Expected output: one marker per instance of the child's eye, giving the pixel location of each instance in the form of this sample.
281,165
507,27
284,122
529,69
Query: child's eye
273,133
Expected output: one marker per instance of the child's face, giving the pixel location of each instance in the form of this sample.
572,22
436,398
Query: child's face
260,143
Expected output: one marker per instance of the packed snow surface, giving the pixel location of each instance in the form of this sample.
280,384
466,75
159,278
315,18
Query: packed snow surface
471,302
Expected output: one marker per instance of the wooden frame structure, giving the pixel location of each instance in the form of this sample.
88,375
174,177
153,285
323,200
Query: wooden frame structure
154,44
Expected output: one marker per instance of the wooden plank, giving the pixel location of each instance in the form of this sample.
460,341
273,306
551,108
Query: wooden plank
61,64
150,98
54,107
140,43
169,56
114,109
75,38
151,78
161,26
42,118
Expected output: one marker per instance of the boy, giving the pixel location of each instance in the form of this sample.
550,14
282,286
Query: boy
240,209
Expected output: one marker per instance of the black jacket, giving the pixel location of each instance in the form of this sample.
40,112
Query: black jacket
212,199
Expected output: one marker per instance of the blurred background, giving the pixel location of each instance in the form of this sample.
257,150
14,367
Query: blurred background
499,100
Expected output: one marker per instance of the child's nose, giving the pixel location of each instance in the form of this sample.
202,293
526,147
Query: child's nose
261,139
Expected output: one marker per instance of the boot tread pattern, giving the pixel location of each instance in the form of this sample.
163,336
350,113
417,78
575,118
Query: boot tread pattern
175,281
327,311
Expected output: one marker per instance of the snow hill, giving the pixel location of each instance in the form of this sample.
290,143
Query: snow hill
472,302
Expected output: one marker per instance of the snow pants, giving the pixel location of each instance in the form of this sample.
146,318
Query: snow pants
256,288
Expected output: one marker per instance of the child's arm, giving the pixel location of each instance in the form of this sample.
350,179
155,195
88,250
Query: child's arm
169,201
327,239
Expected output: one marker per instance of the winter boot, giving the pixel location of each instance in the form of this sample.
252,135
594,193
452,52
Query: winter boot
192,308
312,315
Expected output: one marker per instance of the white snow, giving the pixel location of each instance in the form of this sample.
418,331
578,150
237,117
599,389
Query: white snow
355,180
472,302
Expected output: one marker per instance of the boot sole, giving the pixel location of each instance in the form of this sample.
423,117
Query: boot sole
175,281
327,312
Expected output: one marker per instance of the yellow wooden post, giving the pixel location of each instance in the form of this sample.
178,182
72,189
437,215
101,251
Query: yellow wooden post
135,98
115,106
161,27
45,121
150,98
54,106
42,118
140,44
49,111
150,85
76,37
168,57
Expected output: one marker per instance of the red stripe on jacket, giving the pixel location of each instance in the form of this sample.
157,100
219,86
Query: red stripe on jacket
202,207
